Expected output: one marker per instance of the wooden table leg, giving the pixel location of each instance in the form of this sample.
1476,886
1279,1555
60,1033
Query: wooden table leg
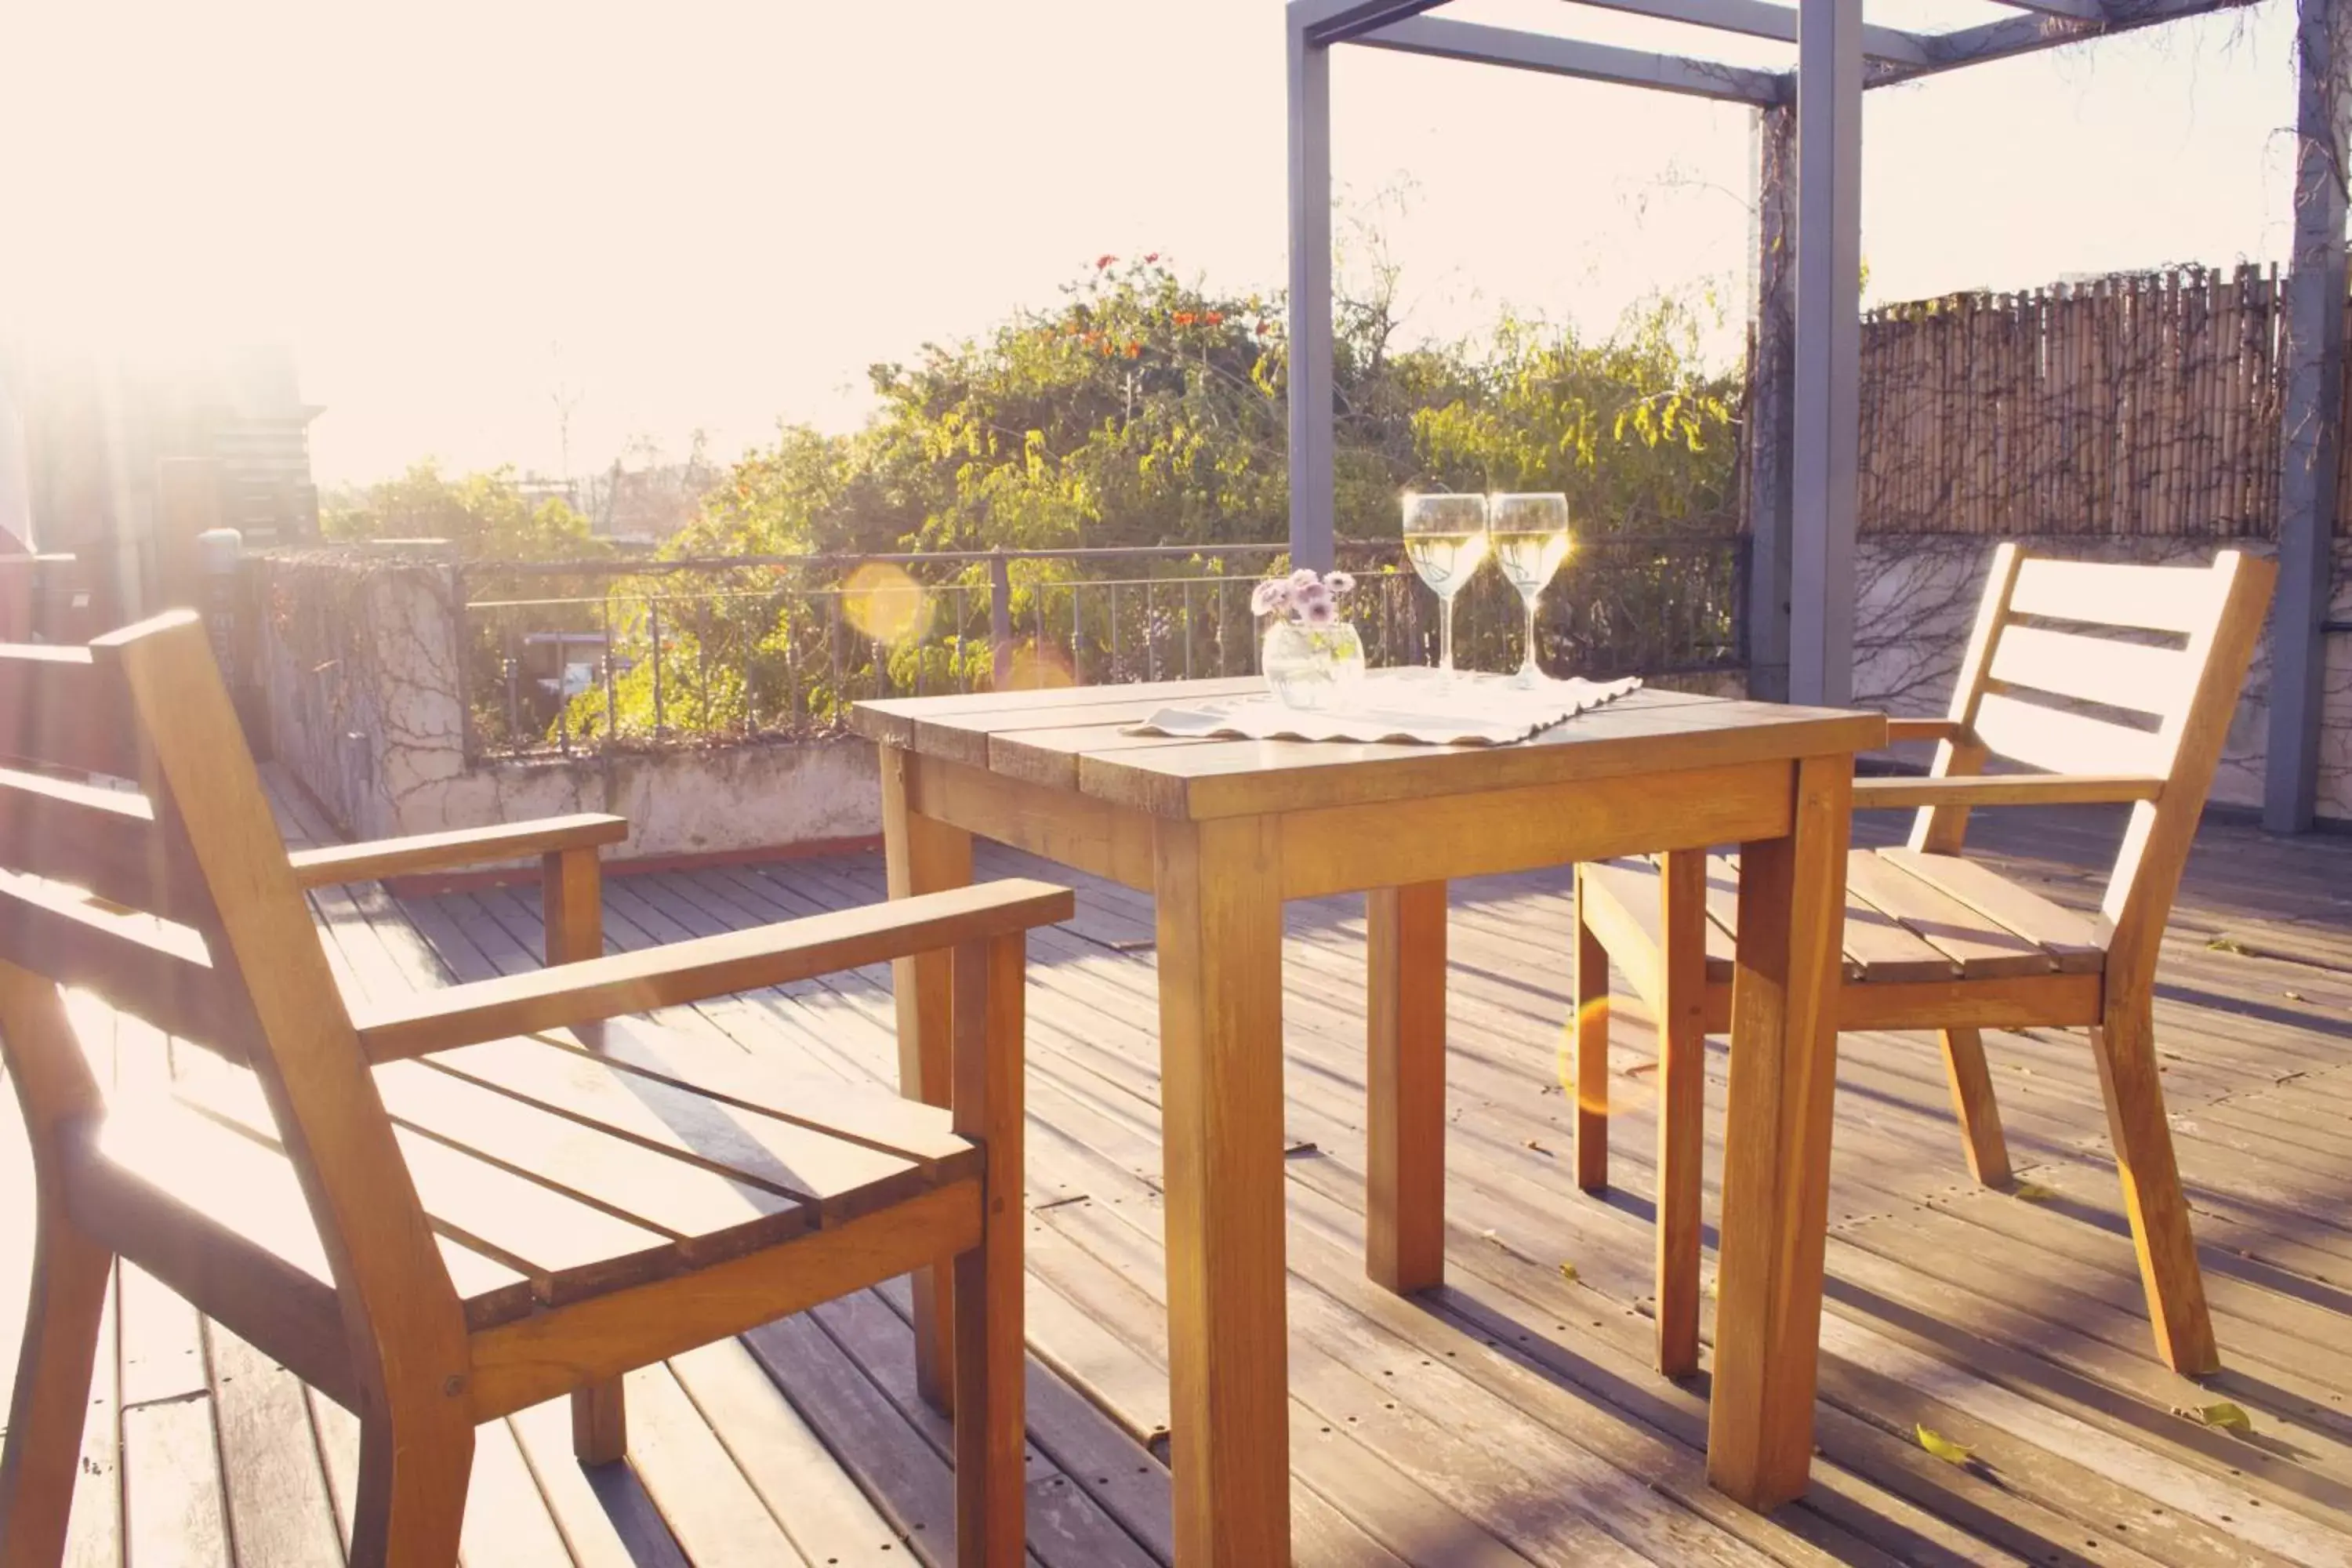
1404,1160
1681,1105
923,855
1220,930
1777,1145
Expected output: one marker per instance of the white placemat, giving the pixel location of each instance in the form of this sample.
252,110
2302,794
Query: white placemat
1414,706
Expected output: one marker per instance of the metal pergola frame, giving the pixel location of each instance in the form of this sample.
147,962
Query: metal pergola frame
1804,445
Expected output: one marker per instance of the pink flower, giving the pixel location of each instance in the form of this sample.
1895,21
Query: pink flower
1302,580
1319,612
1271,597
1339,581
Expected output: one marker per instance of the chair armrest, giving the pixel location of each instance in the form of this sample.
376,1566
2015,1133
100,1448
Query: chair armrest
2004,789
704,967
1901,730
382,857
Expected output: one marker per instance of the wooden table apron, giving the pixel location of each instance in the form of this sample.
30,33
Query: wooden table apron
1218,876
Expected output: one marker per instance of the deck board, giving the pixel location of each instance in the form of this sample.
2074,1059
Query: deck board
1508,1417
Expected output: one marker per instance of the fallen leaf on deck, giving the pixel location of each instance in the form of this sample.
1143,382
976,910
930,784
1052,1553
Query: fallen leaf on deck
1537,1144
2034,1193
2224,1415
2227,945
1568,1272
2292,995
1943,1448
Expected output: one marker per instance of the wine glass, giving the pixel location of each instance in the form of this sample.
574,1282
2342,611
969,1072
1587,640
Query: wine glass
1445,537
1529,535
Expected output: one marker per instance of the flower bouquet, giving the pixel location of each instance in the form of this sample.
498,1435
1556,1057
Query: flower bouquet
1311,657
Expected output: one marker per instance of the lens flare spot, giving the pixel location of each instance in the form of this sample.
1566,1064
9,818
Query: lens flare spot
881,600
1034,665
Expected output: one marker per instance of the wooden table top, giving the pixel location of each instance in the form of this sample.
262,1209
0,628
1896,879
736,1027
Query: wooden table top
1070,739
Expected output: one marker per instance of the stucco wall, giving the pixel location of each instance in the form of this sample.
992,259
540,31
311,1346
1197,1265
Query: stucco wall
359,673
1917,597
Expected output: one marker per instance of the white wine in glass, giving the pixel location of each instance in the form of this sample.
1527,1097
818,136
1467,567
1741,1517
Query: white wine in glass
1445,539
1530,541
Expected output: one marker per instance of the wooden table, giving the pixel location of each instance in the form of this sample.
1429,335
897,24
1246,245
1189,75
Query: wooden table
1220,832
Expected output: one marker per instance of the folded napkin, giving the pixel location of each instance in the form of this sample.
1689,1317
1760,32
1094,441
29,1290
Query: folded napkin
1412,707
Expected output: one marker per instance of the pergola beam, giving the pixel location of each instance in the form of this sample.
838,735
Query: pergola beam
1326,22
1763,19
1482,44
2078,10
2042,30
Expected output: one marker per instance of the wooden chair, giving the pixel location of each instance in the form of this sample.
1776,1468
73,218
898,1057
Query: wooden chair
1937,941
447,1209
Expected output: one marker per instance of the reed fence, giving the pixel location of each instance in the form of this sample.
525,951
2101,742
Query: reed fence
2138,405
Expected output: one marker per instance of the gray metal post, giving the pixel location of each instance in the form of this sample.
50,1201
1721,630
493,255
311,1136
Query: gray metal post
1828,415
1000,622
1772,399
1312,486
2312,421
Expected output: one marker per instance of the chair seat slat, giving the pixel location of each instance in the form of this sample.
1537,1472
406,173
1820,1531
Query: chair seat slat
1983,950
836,1177
2070,940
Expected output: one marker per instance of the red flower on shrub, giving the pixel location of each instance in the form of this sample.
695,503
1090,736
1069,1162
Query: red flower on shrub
1214,318
1103,261
1185,318
1135,350
1153,257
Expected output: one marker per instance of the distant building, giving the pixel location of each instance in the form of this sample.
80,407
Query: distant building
122,462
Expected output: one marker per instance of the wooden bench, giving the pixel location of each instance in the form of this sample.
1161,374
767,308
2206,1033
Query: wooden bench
448,1208
2121,680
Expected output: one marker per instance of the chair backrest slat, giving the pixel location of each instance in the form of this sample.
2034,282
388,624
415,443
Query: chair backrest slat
86,879
2061,742
106,840
56,708
2152,598
2024,689
153,969
2094,669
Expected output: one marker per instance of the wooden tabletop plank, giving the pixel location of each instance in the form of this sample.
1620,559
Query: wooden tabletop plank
892,720
1646,732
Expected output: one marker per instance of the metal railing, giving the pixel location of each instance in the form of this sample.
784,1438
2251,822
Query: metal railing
565,655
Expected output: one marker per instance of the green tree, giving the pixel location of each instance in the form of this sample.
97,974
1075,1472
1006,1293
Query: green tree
486,515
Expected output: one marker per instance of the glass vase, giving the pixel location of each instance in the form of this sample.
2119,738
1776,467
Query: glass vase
1312,668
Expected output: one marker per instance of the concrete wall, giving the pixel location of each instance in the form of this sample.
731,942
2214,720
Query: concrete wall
1917,596
358,665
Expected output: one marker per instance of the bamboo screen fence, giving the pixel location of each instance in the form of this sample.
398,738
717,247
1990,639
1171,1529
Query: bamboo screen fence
2142,404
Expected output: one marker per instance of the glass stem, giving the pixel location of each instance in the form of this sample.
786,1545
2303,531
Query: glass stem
1445,633
1528,669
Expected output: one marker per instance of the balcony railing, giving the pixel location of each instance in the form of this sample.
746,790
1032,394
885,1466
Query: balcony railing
566,656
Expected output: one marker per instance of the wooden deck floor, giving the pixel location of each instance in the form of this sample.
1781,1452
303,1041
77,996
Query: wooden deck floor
1511,1417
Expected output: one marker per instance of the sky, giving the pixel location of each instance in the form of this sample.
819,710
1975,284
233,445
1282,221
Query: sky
504,231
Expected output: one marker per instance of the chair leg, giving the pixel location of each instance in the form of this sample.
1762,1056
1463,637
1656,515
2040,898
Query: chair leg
411,1490
1590,1027
1980,1114
991,1424
1682,1107
599,1422
52,1396
2124,1048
